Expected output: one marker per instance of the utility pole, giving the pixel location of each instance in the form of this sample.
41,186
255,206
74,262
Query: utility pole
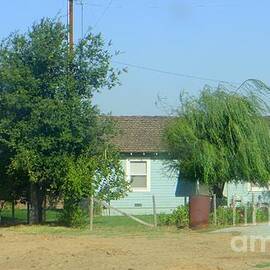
71,24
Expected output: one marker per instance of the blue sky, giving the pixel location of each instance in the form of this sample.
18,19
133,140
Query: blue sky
220,39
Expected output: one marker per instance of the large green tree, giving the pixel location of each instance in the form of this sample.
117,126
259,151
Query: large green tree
47,117
221,136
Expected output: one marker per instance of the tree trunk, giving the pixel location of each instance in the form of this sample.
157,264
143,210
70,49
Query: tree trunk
218,190
44,208
37,198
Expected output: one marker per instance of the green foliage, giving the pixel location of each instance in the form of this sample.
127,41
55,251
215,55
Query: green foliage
48,124
179,217
225,215
52,215
73,215
262,214
221,136
262,265
78,181
102,177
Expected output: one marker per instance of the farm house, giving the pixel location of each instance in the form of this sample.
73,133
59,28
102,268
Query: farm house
143,156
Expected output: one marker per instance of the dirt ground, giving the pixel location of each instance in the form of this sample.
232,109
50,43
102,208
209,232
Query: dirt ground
186,250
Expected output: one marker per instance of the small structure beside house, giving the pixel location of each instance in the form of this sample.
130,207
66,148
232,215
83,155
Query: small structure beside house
245,193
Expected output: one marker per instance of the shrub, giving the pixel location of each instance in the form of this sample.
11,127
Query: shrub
262,214
179,217
73,216
225,215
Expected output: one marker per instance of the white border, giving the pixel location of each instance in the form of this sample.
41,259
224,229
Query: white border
148,174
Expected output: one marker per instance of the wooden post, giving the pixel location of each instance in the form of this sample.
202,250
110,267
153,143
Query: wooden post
154,210
246,214
253,210
268,214
234,211
13,211
71,25
215,208
44,208
91,212
28,213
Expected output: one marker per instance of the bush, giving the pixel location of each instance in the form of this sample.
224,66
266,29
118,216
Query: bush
262,214
73,216
179,217
225,215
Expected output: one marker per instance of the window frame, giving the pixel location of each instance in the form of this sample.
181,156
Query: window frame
252,188
148,175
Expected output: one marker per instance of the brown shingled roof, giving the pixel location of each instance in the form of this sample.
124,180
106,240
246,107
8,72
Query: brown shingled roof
140,133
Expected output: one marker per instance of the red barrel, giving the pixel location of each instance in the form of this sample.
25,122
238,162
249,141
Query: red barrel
199,208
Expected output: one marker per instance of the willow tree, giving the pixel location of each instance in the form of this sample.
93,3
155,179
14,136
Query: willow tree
221,136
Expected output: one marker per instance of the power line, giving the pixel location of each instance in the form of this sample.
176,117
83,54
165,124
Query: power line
81,3
103,13
175,73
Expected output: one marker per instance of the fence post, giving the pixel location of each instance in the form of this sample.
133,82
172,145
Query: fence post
245,215
44,209
28,213
13,211
123,213
268,214
215,208
91,212
234,211
253,210
154,210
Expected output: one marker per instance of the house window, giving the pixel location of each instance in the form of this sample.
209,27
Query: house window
139,175
253,187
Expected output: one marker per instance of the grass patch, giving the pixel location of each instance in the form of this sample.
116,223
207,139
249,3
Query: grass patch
97,231
21,215
116,221
262,265
102,226
121,225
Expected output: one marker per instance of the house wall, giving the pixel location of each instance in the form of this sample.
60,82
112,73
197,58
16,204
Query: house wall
243,193
163,184
171,192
